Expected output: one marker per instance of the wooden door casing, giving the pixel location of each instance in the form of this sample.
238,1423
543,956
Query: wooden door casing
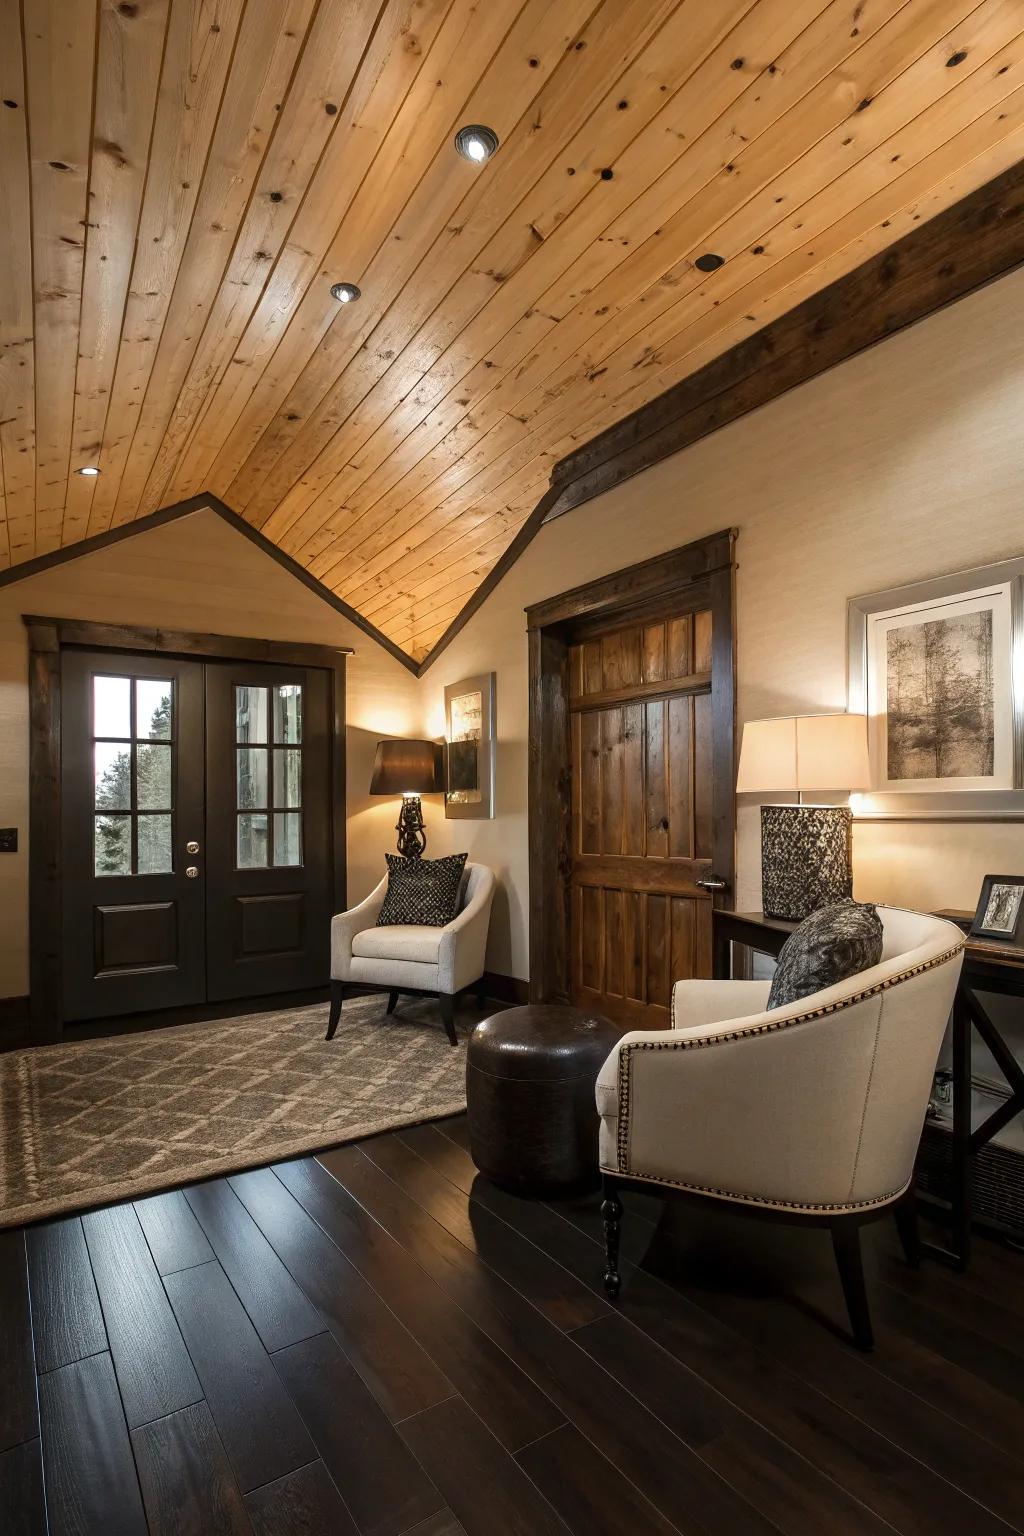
642,814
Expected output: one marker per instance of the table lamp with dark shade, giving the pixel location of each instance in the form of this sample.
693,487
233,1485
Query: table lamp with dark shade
805,849
410,769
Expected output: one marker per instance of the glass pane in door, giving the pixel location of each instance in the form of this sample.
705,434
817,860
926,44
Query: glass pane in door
153,777
250,714
287,777
154,845
252,841
287,838
112,706
113,772
251,778
288,713
153,707
112,844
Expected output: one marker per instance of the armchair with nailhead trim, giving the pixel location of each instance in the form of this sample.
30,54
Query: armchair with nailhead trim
811,1112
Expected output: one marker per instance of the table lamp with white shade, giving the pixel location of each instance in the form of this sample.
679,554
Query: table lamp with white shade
805,849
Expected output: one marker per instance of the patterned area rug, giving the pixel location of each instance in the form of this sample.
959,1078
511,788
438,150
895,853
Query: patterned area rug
111,1119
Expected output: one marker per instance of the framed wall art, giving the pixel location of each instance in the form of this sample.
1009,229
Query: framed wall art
469,748
938,668
1000,913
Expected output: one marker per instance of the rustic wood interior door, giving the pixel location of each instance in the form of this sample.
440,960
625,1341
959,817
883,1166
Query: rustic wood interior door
632,824
641,751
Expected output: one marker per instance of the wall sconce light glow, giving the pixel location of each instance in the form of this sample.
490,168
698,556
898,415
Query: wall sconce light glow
88,469
476,143
345,293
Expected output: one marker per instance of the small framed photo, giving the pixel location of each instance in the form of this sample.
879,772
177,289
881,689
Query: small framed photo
1000,909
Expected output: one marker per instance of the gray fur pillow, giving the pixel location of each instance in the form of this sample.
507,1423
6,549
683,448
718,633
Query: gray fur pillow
833,943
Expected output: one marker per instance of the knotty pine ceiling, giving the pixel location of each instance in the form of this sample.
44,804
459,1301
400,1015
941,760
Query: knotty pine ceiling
182,180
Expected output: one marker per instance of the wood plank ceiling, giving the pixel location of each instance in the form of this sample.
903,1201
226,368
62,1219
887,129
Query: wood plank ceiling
181,181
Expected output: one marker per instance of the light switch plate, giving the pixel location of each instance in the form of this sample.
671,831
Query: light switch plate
8,839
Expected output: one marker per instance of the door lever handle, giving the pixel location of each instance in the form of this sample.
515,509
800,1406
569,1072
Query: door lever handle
712,883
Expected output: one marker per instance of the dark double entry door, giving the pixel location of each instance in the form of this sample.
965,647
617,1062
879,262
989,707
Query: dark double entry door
196,831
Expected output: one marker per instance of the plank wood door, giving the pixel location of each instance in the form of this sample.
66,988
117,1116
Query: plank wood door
642,819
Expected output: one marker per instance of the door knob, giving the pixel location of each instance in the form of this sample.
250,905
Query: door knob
712,883
191,872
192,847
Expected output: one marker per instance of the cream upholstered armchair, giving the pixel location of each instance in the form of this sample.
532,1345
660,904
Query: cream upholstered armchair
411,957
811,1112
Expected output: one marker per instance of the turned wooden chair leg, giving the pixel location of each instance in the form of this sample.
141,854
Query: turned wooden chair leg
337,998
611,1215
392,1001
846,1246
905,1212
447,1003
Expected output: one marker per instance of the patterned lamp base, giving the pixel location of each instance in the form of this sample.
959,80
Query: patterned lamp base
805,858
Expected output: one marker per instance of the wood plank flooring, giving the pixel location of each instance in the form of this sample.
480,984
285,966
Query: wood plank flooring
376,1342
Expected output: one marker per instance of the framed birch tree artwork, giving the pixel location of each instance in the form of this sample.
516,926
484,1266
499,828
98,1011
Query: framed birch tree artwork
938,668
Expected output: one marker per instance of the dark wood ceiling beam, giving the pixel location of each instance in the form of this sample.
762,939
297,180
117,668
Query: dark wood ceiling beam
975,241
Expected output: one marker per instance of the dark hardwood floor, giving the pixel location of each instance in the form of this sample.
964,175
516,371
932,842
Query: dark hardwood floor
379,1343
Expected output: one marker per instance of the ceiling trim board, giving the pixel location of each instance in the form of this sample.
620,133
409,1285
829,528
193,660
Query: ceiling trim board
16,573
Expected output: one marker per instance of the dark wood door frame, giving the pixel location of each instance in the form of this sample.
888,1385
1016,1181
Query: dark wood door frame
636,592
47,637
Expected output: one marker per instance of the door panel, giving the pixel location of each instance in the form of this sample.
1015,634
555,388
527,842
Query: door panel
132,792
268,828
641,753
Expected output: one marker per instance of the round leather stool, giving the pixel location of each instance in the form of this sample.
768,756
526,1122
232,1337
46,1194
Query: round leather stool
530,1076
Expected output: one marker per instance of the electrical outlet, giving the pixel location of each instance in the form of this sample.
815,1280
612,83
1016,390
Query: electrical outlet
8,839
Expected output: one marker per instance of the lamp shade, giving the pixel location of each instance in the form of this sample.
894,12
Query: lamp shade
805,752
406,768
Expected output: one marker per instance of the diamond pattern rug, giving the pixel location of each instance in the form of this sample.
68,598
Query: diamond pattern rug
111,1119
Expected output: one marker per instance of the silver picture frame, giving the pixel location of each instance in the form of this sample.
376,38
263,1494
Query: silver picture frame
997,589
469,757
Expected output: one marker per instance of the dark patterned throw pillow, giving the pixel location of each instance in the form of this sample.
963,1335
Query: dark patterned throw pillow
833,943
421,890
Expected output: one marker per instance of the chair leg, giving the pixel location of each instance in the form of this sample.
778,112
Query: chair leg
846,1246
611,1215
337,998
392,1001
906,1225
447,1003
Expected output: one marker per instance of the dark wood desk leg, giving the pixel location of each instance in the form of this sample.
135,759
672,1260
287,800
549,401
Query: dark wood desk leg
961,1192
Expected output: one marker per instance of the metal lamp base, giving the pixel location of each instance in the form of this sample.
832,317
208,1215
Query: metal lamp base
805,858
412,837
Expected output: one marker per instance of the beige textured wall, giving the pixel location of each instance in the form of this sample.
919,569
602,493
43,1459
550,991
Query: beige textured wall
196,574
903,463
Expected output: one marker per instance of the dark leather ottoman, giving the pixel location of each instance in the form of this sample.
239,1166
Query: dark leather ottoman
530,1076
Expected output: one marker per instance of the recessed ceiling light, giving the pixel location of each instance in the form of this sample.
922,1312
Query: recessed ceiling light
345,293
88,469
709,262
476,143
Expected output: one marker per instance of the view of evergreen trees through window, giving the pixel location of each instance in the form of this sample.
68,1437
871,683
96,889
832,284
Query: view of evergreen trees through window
151,746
